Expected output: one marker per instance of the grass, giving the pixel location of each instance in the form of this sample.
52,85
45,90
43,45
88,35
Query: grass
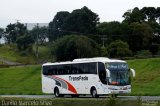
1,63
20,80
44,53
11,53
8,53
147,80
27,80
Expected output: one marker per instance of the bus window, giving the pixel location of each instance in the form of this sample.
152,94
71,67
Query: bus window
60,70
102,73
54,70
45,70
67,69
83,68
74,69
92,68
86,68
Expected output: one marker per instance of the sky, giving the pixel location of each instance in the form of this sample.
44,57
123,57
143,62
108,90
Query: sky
43,11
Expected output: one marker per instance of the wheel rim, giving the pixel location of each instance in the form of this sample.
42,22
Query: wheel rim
56,92
94,93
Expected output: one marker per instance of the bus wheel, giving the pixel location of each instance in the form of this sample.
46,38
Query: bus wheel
94,93
56,92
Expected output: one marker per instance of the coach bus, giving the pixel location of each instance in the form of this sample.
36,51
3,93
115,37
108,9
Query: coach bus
95,76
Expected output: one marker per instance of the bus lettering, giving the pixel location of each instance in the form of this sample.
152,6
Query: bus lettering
85,78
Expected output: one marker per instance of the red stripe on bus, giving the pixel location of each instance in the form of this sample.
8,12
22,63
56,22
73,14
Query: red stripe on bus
70,87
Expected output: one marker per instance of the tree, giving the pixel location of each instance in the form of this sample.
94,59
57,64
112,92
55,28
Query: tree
114,31
40,34
13,31
104,52
10,34
158,14
24,42
140,37
1,32
55,25
79,21
109,28
150,13
119,49
154,49
134,15
155,27
73,46
144,28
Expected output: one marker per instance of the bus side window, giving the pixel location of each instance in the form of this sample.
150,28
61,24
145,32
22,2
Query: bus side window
67,69
45,70
54,70
86,68
60,70
102,72
83,68
50,71
80,69
74,69
92,68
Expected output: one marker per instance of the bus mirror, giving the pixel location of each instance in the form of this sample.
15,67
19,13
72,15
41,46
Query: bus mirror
133,72
107,73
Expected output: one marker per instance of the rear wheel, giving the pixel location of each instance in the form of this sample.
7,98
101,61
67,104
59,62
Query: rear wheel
56,92
94,93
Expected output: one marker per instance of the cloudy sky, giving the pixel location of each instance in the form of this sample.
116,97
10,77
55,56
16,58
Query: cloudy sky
43,11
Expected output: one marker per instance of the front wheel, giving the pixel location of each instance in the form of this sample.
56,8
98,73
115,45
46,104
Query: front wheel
94,93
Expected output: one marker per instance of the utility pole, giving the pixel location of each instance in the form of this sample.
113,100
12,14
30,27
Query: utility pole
37,34
103,38
17,20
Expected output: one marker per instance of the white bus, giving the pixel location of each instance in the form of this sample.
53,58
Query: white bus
95,76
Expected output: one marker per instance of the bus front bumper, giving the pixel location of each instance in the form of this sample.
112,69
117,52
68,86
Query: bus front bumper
119,91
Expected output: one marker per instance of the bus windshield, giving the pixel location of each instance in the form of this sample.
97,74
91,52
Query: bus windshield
119,73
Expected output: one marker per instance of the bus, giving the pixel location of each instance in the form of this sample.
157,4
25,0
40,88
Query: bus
95,76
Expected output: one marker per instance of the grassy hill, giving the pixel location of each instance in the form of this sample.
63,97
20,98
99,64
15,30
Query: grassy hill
147,80
10,52
20,80
27,80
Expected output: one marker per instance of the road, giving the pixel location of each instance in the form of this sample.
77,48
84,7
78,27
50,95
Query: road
145,98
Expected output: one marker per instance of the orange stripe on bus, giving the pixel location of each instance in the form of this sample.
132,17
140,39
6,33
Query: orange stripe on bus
70,87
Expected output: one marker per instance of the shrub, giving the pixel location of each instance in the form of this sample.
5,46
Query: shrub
119,49
73,46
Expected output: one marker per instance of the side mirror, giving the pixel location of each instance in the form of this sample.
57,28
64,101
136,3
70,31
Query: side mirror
133,72
108,73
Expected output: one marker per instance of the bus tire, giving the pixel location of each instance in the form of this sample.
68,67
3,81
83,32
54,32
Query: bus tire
94,92
56,92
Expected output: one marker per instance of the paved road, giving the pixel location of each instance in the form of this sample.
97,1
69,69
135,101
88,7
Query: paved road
157,98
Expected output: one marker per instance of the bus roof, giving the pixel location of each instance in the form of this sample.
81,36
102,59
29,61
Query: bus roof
86,60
